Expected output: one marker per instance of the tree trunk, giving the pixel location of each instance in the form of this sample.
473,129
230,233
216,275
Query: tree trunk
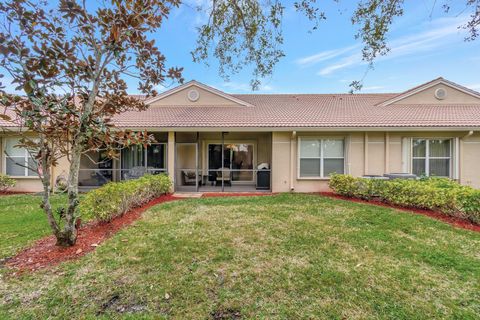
68,235
46,206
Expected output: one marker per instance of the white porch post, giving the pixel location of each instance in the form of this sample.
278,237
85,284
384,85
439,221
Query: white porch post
171,157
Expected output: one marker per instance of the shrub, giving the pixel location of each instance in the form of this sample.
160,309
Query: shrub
116,198
439,194
6,182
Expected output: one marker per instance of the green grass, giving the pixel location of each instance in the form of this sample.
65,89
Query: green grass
22,221
289,256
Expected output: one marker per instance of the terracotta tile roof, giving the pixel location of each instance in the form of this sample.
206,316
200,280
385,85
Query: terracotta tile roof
302,111
306,110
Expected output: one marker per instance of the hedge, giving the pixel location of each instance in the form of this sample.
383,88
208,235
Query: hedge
6,182
116,198
438,194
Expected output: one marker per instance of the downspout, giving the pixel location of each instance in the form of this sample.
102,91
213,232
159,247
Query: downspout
387,152
365,154
292,160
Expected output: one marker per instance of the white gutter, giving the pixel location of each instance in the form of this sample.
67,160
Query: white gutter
468,134
302,129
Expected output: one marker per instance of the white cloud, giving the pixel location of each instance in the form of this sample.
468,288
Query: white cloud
324,55
343,63
436,37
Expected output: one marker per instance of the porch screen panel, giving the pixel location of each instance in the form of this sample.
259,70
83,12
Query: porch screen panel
156,158
242,159
133,156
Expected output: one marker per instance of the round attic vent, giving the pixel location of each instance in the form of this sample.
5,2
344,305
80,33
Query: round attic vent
440,93
193,95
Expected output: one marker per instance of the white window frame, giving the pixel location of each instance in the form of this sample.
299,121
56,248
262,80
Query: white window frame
321,157
427,157
26,157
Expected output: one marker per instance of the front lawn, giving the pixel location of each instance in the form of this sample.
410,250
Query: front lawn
289,256
22,221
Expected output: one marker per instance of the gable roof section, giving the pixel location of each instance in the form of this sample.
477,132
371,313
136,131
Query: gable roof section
427,85
193,83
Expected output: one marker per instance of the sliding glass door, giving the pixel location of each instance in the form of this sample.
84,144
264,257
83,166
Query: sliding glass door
237,159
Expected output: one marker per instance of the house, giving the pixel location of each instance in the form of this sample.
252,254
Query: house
209,140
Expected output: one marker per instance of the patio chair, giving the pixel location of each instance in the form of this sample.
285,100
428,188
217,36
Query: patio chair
188,178
224,174
135,173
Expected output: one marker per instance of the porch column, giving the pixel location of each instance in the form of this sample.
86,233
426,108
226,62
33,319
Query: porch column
171,157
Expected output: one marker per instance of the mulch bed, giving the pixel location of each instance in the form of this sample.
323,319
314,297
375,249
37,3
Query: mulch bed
454,221
44,253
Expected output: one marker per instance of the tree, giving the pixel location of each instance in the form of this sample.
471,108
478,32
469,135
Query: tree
69,63
249,32
70,60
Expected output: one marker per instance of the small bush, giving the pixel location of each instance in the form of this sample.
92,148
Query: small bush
439,194
116,198
6,182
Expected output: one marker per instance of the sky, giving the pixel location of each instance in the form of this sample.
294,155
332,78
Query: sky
425,43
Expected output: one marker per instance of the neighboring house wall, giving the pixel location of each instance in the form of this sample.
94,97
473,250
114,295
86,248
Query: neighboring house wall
371,153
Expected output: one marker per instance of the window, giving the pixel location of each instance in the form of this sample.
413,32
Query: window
319,158
16,160
431,157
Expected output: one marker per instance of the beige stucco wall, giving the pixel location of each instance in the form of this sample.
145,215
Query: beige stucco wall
372,153
366,153
427,96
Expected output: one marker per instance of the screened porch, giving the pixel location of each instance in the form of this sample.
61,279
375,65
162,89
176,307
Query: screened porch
96,168
222,161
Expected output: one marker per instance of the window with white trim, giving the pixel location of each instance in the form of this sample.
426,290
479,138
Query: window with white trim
319,158
432,157
17,160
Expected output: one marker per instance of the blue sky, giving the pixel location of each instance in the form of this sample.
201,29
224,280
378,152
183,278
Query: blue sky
425,44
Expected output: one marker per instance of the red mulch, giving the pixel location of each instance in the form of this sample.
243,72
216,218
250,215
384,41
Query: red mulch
454,221
234,194
44,253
